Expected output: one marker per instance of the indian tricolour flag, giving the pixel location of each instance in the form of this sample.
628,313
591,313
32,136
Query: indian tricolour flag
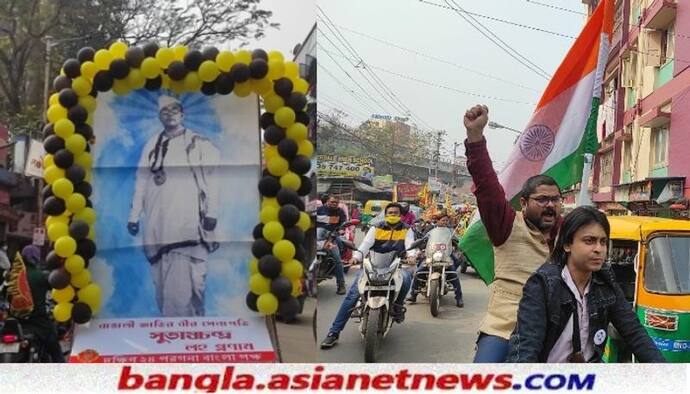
561,131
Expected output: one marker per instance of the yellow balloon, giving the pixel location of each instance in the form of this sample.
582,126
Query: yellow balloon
64,128
118,49
88,215
243,56
276,55
276,69
57,230
262,86
90,295
300,86
48,160
76,203
284,117
62,295
50,220
65,247
89,70
297,131
164,56
296,288
273,232
179,52
291,70
277,166
305,148
120,87
54,99
284,250
150,68
253,266
135,79
85,160
56,112
82,86
267,304
81,280
63,311
92,234
76,143
243,89
52,174
165,84
270,151
177,86
289,181
273,103
63,188
304,221
208,71
259,284
225,60
268,214
270,202
192,83
88,102
89,119
102,59
74,264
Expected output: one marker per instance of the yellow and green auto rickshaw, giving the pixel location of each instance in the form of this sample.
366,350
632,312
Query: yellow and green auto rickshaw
371,209
651,259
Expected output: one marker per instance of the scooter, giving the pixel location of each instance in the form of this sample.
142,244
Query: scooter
323,266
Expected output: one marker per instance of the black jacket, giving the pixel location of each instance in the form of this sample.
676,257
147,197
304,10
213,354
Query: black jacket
547,305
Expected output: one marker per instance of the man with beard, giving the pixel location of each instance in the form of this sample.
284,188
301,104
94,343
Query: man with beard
522,239
328,218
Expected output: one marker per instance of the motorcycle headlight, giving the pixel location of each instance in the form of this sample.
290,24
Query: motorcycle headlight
438,256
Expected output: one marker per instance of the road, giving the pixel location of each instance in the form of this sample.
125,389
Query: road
448,338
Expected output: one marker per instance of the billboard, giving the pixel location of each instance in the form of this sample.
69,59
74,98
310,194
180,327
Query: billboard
345,166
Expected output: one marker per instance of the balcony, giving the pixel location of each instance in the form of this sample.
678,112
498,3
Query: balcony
659,14
663,74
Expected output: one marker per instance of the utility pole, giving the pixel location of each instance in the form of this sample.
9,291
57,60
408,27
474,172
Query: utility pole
437,155
455,163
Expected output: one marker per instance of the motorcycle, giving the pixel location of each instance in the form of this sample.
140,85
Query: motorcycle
437,280
323,266
18,346
378,288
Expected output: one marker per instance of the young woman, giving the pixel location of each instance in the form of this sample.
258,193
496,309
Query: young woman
568,303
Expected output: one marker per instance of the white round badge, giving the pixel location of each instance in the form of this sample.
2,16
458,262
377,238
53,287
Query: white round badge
599,337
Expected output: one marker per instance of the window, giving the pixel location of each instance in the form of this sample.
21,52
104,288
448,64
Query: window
668,44
627,156
606,174
659,147
667,269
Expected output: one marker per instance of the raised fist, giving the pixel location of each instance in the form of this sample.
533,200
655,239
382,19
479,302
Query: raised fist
475,120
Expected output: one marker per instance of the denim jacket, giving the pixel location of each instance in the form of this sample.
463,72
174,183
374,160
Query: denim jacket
547,305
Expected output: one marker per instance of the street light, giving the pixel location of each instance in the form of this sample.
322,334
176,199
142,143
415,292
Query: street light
494,125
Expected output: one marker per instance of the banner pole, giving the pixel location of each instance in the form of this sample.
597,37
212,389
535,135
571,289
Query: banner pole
273,334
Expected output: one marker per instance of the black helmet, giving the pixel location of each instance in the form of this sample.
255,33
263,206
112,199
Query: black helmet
404,208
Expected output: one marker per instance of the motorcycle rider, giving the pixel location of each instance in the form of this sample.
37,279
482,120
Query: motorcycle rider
406,215
442,221
328,218
387,236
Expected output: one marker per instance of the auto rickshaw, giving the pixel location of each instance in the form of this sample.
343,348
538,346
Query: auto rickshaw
371,209
651,260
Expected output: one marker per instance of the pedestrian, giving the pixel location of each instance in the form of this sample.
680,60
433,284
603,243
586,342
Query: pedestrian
521,240
567,305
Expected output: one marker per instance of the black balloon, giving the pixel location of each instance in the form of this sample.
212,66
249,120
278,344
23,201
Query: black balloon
46,192
177,71
53,144
300,165
288,148
269,186
224,84
210,53
274,134
86,248
150,49
79,229
61,82
259,54
63,158
296,101
59,278
288,215
266,120
81,313
269,266
154,83
48,130
193,59
208,88
300,204
302,117
251,301
84,130
68,98
134,56
289,308
119,68
287,196
281,287
93,92
75,174
86,54
300,253
283,87
294,235
261,248
53,261
258,68
305,187
258,231
72,68
103,81
239,72
77,114
54,206
83,188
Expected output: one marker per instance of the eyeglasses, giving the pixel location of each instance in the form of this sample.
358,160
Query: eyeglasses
543,201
